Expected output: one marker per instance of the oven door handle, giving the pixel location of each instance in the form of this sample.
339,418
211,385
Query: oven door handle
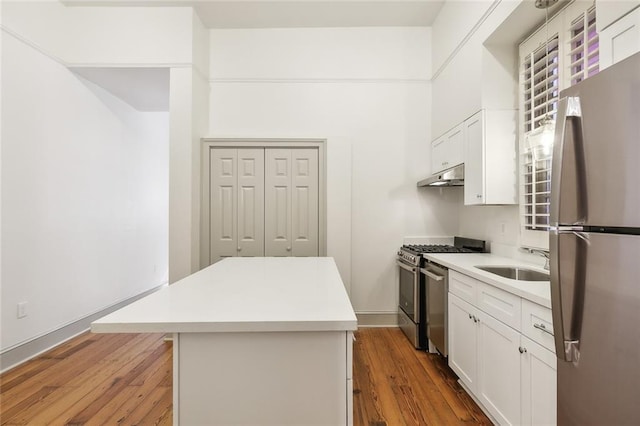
432,275
405,266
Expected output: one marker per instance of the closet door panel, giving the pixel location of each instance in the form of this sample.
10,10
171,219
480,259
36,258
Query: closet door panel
223,204
304,212
250,202
278,202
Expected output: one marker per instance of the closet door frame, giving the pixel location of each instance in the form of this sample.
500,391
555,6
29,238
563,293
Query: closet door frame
211,143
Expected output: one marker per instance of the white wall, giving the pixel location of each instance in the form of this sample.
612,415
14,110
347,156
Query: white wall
472,74
452,26
104,35
1,97
189,111
84,195
477,75
365,90
110,36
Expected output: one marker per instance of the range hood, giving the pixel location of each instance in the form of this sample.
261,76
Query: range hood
450,177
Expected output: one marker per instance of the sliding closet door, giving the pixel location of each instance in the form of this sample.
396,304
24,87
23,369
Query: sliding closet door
291,202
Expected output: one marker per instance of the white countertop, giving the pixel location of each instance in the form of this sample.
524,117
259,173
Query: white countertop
243,294
536,291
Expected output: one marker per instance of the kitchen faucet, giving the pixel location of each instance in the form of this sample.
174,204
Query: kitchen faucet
543,253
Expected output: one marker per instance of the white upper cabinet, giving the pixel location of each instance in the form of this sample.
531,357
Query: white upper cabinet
490,158
609,11
447,150
621,39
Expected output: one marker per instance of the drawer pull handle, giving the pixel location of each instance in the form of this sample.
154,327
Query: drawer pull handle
543,328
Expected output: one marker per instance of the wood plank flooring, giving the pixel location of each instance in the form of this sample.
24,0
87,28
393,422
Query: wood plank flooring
396,385
126,379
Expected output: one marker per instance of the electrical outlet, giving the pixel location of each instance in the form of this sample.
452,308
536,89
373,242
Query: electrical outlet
503,228
22,309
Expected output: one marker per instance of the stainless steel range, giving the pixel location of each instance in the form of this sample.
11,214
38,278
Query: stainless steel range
419,318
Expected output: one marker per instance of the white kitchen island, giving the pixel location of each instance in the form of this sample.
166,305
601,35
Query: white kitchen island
257,341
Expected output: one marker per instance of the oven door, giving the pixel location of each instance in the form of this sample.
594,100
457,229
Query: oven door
409,284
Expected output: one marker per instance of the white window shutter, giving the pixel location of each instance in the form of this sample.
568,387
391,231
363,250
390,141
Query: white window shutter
584,49
544,90
557,55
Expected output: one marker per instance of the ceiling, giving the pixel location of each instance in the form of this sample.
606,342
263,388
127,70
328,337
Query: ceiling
296,13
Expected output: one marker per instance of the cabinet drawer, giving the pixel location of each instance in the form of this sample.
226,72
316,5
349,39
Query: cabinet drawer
500,304
537,324
463,286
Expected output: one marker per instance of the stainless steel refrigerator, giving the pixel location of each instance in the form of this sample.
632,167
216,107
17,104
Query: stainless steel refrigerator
595,248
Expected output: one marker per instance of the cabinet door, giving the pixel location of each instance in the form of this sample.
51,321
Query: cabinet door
250,202
620,40
539,405
223,225
448,150
454,152
499,370
438,154
463,340
474,160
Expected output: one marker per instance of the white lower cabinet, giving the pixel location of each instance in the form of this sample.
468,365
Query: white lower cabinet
538,377
510,375
499,369
463,341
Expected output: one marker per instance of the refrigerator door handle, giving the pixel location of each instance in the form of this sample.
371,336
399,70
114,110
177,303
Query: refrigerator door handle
569,122
567,298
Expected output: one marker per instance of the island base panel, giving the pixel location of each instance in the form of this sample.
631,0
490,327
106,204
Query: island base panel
278,378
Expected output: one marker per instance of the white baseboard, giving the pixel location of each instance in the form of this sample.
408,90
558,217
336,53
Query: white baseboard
377,319
19,354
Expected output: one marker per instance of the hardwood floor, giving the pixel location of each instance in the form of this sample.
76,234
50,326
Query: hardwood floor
94,379
396,385
110,379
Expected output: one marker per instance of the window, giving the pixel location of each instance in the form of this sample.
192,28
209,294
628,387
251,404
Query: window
554,57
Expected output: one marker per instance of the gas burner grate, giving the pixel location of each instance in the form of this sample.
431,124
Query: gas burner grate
434,248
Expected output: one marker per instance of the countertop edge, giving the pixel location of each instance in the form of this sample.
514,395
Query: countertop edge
225,327
460,263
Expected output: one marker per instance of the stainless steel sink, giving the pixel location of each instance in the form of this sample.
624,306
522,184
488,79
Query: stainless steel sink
521,274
